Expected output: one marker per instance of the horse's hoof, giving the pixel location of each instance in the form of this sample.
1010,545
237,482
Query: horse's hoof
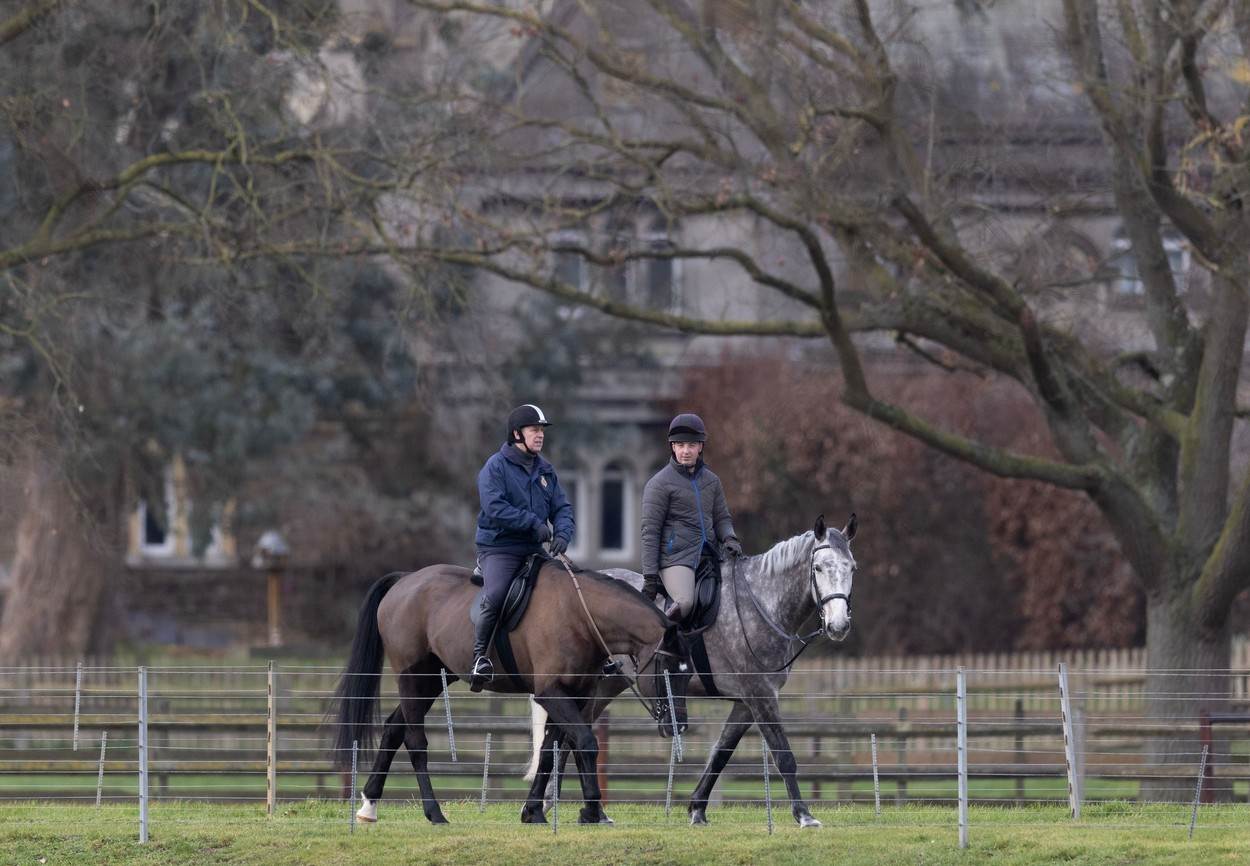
532,817
806,821
597,816
368,811
698,818
437,818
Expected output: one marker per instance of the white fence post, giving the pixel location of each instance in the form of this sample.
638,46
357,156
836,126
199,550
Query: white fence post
961,706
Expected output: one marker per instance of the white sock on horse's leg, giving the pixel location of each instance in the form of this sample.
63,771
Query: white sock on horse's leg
538,722
368,811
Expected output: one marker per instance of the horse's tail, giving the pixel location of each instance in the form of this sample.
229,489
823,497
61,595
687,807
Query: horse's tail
357,694
538,718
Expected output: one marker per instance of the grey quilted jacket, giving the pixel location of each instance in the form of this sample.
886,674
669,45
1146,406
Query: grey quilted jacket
681,510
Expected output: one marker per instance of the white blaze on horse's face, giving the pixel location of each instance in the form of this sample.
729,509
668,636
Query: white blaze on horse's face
833,572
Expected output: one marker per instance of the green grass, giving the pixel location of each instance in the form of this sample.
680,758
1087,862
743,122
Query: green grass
402,784
316,832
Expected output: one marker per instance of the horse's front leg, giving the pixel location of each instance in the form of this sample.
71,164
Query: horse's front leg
737,724
768,717
568,724
590,713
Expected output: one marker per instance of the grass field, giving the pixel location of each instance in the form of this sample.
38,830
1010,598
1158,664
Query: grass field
317,832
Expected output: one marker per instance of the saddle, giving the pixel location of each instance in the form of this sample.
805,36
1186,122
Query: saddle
515,603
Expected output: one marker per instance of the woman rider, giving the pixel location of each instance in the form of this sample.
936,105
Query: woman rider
683,516
520,494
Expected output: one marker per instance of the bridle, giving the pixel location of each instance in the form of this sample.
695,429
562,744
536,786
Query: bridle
820,600
817,598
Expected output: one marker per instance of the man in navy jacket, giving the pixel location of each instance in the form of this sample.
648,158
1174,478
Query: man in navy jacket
520,494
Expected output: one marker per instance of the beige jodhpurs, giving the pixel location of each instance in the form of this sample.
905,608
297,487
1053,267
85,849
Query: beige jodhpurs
679,584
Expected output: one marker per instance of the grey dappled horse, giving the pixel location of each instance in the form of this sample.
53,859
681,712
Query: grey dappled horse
796,578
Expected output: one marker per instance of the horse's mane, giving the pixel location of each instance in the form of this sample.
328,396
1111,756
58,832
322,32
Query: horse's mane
785,556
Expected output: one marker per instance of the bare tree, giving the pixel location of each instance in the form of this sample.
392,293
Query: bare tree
184,187
824,127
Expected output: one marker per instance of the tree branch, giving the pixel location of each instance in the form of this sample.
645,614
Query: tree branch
24,19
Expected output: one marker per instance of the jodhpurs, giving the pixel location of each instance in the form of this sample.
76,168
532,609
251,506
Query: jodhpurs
679,584
498,570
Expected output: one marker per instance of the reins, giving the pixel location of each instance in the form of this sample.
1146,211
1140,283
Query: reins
656,714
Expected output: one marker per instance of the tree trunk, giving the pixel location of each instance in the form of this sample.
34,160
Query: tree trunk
62,565
1188,674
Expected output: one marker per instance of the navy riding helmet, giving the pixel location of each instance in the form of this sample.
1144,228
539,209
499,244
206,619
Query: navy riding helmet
687,427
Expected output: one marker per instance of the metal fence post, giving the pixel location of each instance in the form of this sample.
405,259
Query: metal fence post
351,803
672,713
99,782
481,805
143,755
668,788
1069,743
876,780
961,704
768,792
451,733
77,701
555,797
271,746
1202,769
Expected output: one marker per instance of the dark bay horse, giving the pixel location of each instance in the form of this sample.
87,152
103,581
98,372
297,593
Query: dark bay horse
420,622
765,600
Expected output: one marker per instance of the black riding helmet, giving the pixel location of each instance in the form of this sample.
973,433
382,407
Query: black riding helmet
527,415
687,427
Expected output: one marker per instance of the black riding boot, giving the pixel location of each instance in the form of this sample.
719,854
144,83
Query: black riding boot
483,671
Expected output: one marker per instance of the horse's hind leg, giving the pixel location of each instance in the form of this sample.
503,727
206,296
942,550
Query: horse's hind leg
417,693
737,724
768,717
392,736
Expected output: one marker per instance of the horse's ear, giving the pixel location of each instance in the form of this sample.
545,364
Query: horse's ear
820,529
851,526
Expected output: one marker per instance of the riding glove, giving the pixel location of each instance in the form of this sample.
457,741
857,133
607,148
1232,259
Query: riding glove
651,586
733,547
544,533
558,546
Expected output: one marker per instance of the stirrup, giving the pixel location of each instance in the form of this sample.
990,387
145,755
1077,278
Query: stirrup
483,673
